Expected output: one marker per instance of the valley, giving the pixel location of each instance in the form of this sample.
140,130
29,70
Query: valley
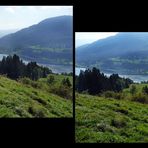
125,54
48,42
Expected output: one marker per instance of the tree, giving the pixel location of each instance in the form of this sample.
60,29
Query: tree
145,90
66,82
95,82
133,89
14,68
50,79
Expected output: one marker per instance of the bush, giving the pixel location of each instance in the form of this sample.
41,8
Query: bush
145,90
25,80
119,122
102,127
30,82
133,89
63,92
35,84
50,79
41,101
119,96
109,94
142,98
37,112
66,82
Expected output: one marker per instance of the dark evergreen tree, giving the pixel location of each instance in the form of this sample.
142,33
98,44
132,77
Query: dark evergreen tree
14,68
95,82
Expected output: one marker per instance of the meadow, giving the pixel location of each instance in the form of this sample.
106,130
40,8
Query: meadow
113,117
44,98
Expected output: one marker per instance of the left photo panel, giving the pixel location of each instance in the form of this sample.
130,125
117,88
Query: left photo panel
36,61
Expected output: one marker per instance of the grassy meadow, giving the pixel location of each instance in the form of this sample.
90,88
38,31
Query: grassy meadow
43,98
112,117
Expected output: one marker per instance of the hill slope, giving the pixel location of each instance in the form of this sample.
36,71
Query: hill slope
124,53
48,42
26,98
102,120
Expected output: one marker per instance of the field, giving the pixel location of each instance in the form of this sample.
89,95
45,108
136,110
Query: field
110,120
29,99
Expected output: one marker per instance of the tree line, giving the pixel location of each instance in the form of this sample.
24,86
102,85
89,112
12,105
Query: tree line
14,68
95,82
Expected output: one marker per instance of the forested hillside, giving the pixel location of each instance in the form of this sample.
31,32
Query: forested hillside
30,90
124,53
48,42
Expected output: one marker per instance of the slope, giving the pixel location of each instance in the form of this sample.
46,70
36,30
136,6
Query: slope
108,120
26,98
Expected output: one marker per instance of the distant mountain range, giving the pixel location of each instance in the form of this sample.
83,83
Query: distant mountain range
48,42
6,32
124,53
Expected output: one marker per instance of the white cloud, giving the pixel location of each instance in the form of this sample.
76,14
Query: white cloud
9,9
89,37
24,16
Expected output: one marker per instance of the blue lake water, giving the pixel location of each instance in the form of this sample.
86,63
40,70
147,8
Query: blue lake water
135,78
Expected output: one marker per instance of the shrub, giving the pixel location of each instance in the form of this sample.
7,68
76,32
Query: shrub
66,82
133,89
85,92
119,122
35,84
115,95
145,90
63,92
142,98
102,127
41,101
50,79
28,81
119,96
122,110
109,94
25,80
37,112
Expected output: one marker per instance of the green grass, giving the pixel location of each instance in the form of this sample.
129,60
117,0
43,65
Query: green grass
108,120
31,100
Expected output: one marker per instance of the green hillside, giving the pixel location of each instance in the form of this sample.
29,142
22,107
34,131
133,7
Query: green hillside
109,120
27,98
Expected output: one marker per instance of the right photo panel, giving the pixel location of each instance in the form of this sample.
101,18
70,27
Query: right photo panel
111,87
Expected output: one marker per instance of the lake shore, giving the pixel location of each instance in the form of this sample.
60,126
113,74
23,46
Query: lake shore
136,78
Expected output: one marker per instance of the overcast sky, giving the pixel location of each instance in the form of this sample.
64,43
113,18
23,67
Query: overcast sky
89,37
14,17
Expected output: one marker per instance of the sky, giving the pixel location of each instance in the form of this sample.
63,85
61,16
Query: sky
89,37
18,17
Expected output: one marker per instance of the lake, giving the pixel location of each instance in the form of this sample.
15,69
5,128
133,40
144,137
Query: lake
135,78
54,68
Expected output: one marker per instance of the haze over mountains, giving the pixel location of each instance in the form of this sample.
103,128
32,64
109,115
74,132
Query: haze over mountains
48,42
124,53
6,32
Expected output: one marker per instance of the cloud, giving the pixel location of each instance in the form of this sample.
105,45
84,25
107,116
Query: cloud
9,9
89,37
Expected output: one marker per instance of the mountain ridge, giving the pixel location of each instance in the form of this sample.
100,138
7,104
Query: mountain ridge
49,41
119,51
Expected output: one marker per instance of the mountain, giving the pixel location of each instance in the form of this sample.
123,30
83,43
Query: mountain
124,53
48,42
5,32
